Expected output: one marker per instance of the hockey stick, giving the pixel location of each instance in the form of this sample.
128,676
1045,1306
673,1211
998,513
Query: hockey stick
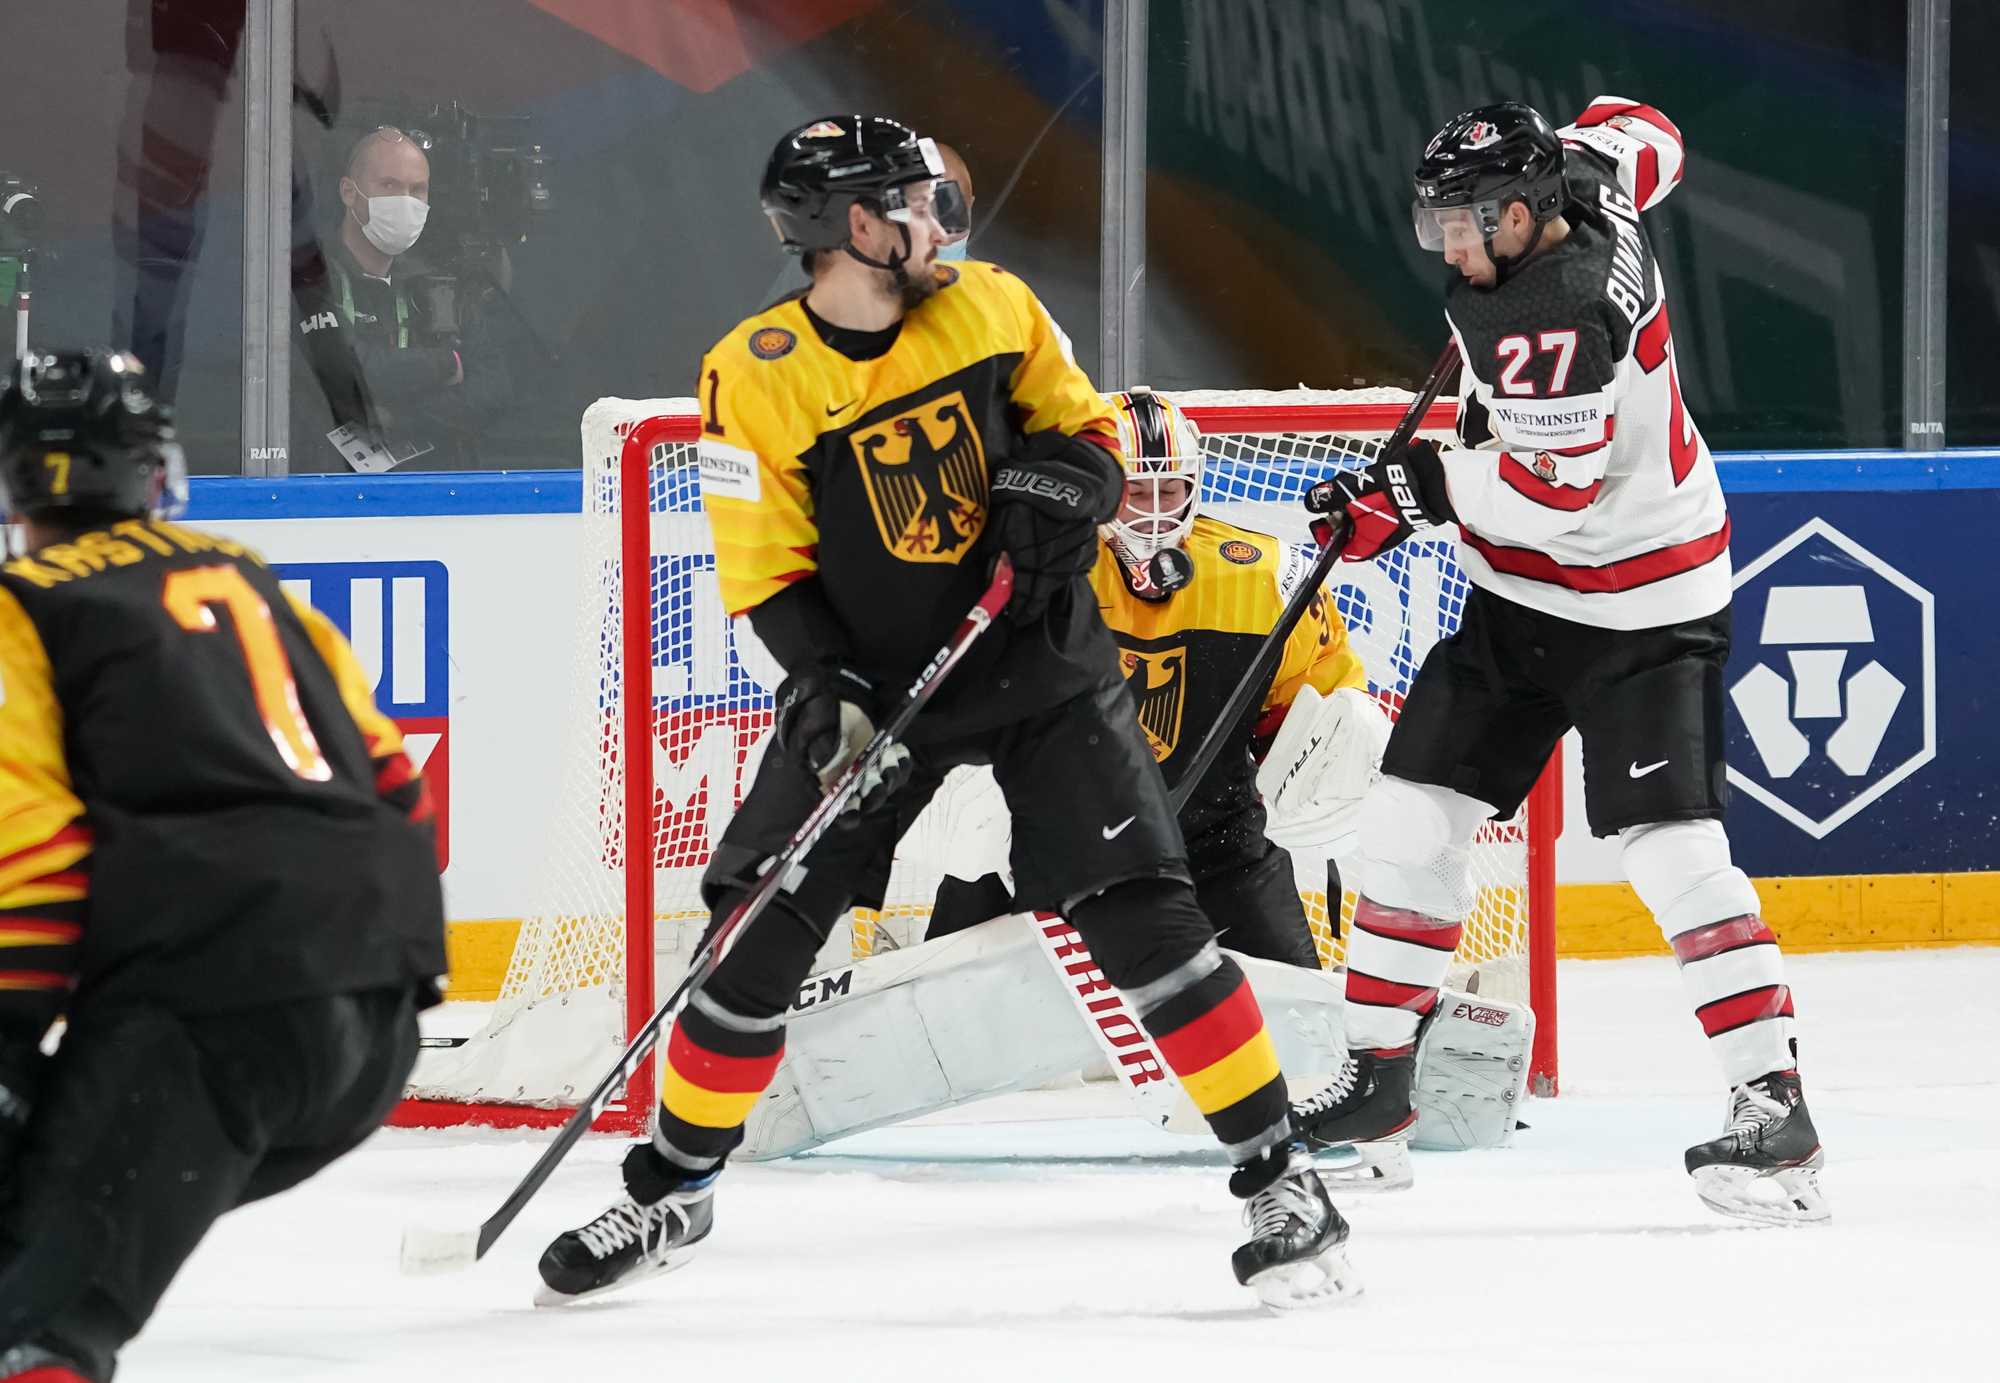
1148,1081
429,1251
1273,647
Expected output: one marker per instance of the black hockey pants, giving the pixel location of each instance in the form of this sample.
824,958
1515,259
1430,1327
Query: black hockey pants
1253,904
152,1125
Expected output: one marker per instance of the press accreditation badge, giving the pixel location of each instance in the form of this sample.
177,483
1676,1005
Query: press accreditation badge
368,456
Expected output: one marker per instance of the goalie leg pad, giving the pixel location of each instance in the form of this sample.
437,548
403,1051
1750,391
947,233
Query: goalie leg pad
1472,1072
973,1014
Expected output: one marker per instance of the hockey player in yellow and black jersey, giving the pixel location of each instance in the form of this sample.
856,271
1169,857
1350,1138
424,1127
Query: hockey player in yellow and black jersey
868,451
215,862
1190,599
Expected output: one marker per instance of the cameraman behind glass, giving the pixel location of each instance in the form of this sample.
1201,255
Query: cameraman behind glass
400,353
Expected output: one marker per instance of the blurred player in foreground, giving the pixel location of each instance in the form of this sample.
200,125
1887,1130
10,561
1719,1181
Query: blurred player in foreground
868,451
215,862
1593,527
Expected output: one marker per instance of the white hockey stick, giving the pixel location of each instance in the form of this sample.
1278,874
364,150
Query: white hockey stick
1144,1073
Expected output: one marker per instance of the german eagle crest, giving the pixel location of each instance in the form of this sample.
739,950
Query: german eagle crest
1158,683
926,476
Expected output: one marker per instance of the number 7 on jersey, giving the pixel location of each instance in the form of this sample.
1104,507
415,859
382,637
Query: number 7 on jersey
188,593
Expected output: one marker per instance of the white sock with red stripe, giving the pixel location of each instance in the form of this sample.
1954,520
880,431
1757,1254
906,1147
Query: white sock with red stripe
1708,909
1396,959
1414,896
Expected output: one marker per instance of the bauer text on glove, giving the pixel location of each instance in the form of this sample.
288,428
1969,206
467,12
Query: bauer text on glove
1049,496
1404,493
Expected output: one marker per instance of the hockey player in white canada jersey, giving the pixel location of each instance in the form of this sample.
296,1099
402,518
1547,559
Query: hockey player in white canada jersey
1594,530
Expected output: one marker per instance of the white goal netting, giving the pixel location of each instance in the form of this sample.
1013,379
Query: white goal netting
561,1016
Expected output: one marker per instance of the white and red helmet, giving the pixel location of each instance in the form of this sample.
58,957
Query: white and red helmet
1160,442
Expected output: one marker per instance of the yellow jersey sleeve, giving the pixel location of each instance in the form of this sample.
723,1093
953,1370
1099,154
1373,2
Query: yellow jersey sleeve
1318,655
1048,386
756,490
44,843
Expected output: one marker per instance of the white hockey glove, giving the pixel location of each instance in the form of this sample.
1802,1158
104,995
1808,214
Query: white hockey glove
1319,768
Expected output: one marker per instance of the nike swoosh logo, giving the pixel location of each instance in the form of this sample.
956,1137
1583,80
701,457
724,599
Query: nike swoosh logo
1638,772
842,409
1111,832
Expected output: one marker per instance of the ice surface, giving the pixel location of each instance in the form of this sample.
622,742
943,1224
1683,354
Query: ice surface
1047,1236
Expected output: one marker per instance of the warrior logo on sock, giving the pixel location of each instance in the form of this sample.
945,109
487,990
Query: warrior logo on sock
926,478
1158,683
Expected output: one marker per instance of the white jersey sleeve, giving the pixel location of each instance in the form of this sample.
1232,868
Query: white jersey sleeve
1642,145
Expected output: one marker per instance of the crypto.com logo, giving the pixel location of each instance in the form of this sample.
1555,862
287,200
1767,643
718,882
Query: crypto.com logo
1840,704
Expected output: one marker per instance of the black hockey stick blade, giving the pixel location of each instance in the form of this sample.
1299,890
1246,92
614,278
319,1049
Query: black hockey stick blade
426,1252
1272,650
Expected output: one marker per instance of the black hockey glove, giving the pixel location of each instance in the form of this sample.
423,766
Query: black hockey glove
825,719
1048,499
22,1066
1403,494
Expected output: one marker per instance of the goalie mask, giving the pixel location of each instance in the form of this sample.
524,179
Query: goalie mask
81,431
1163,464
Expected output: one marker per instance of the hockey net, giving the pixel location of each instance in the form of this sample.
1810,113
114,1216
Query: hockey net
580,980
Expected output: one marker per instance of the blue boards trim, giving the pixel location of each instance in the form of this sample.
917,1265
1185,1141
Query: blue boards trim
220,498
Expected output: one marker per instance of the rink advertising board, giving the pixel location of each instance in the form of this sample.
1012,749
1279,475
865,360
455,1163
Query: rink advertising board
397,618
1859,695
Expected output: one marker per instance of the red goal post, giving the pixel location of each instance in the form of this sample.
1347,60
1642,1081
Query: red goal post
655,776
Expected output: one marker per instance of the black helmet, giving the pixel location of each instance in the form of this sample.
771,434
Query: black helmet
81,430
819,170
1481,161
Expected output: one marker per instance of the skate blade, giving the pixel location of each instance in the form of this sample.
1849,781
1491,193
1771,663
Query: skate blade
431,1252
1784,1196
1375,1169
1326,1280
546,1295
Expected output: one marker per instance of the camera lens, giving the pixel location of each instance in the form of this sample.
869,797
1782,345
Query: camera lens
20,212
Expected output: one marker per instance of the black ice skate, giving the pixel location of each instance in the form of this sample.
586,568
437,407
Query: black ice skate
1297,1254
1371,1107
635,1239
1765,1167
